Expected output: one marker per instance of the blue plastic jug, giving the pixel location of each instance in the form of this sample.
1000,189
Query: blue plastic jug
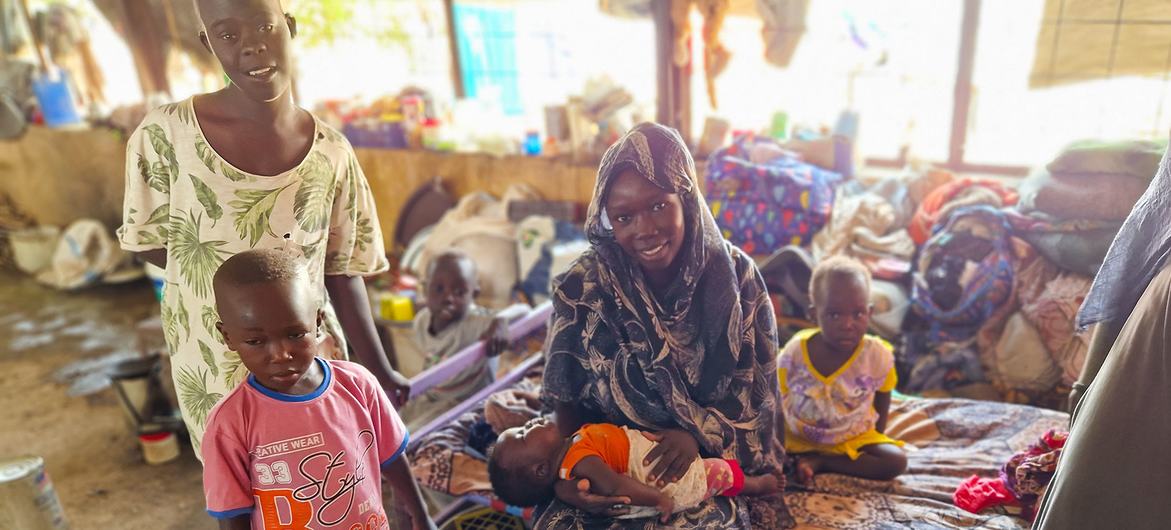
55,98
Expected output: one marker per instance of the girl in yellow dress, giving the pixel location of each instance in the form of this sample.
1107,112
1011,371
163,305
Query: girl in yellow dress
836,380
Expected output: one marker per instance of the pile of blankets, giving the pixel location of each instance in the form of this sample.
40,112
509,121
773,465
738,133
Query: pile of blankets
993,271
1070,209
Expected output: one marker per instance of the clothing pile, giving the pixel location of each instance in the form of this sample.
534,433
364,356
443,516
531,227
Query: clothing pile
987,298
1071,209
941,370
994,273
1022,480
545,248
943,201
1002,282
964,279
964,274
865,224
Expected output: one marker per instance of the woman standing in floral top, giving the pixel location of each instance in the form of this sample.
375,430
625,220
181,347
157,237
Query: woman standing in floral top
246,168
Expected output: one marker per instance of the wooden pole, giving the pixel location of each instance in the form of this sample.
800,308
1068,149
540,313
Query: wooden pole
674,82
146,44
963,84
32,37
172,43
664,43
457,78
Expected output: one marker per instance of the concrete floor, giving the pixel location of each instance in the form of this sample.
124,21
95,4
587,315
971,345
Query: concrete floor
90,452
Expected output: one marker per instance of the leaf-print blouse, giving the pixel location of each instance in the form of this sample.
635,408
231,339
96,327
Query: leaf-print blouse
183,197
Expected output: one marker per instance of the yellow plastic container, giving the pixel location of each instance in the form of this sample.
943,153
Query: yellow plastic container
397,308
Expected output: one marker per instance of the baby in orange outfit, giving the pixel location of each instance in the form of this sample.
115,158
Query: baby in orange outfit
528,460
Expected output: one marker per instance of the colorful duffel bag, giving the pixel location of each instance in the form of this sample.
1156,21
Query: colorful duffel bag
761,207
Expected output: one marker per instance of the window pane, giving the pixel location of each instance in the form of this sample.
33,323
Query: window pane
527,54
1011,123
371,57
519,55
893,61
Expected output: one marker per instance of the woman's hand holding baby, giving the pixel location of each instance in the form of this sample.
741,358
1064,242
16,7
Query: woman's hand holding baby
675,452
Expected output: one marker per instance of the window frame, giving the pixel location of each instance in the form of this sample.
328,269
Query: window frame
674,94
675,98
961,108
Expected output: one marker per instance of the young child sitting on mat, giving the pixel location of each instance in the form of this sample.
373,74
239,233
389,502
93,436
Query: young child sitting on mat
836,380
450,322
528,460
302,442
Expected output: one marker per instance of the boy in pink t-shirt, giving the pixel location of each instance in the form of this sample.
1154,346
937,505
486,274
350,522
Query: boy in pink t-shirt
300,444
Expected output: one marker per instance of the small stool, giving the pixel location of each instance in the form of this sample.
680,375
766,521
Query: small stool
136,382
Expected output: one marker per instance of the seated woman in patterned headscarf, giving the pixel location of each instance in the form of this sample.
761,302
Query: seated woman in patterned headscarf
663,326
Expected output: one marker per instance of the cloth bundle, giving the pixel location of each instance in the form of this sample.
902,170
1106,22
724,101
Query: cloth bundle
762,206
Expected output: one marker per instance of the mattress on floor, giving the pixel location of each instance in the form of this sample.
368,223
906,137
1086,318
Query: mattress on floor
950,440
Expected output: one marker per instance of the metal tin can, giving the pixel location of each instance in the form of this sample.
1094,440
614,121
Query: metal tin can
27,498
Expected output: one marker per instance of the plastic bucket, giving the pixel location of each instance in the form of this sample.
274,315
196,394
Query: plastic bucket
32,248
159,447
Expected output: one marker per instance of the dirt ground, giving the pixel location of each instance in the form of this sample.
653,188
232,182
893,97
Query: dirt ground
90,451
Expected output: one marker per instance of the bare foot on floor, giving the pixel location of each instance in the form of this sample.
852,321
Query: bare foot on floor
763,485
807,466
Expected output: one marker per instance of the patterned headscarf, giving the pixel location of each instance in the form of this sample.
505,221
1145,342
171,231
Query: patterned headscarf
702,358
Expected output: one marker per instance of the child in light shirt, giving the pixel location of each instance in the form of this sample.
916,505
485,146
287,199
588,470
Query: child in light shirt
835,382
450,322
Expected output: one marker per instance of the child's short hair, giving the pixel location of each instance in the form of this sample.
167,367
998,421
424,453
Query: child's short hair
834,266
260,266
513,485
451,257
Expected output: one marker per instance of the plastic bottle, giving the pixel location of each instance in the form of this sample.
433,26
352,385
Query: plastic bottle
532,144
